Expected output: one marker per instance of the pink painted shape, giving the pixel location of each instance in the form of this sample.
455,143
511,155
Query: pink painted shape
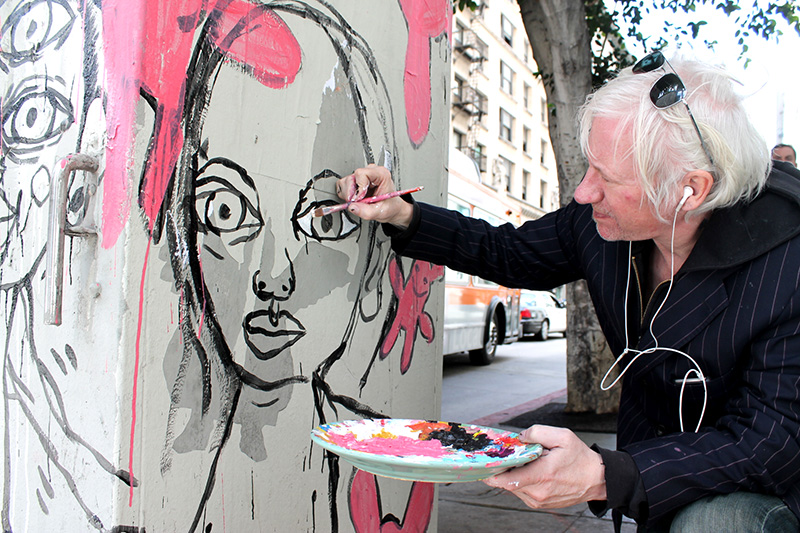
169,33
412,294
121,28
137,357
366,513
426,19
260,41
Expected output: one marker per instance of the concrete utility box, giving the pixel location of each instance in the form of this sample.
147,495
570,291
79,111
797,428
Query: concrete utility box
176,320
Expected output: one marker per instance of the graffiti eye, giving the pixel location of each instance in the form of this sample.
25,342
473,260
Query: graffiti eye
33,117
33,27
331,227
222,208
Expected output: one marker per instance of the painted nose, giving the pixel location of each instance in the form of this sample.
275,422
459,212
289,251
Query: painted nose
280,287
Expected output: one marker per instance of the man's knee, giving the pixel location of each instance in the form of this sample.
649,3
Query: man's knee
736,512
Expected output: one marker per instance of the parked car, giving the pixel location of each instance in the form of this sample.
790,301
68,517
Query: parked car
541,314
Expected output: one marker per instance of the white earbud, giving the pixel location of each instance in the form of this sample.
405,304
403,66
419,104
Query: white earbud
687,192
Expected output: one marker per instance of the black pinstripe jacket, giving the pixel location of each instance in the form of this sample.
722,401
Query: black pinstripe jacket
734,308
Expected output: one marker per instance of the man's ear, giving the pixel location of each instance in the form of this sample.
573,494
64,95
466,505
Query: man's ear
700,182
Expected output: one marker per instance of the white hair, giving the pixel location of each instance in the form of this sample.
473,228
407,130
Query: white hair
665,144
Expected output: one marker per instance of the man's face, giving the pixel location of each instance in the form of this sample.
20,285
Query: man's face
784,153
611,185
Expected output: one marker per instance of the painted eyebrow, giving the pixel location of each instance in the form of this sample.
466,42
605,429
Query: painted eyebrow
249,189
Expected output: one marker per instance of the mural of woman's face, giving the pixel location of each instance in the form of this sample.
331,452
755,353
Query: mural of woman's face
269,157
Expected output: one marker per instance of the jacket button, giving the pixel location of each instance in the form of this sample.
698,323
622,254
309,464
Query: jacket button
661,430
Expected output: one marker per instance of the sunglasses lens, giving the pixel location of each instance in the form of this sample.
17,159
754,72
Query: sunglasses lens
649,62
667,91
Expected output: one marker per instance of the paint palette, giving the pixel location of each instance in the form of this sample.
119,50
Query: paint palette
425,450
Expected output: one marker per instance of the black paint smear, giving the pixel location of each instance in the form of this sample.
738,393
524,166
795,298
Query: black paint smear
73,359
42,504
457,437
48,488
314,511
59,361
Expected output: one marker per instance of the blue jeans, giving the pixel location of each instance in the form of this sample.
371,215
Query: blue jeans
738,512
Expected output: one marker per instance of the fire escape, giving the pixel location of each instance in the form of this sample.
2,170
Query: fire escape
467,97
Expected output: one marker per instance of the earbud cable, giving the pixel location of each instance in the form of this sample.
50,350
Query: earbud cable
638,353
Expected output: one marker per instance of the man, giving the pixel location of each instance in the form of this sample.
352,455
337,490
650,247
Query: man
691,256
784,152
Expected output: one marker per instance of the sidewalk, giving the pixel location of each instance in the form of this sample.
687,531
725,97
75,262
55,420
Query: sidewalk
476,507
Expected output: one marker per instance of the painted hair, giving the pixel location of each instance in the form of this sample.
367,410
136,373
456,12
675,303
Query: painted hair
665,144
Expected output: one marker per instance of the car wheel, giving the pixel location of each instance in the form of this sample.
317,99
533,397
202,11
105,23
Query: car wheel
544,333
485,354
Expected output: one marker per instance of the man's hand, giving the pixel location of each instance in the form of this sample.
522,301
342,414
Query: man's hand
567,473
373,181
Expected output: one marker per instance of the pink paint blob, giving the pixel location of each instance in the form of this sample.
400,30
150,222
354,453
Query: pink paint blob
396,446
426,19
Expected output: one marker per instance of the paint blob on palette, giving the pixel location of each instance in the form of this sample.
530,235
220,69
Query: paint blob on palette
425,450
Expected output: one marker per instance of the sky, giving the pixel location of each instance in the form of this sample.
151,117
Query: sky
772,76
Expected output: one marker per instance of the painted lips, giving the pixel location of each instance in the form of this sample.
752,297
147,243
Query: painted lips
268,333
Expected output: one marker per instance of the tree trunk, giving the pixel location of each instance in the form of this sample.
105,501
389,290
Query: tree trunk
560,40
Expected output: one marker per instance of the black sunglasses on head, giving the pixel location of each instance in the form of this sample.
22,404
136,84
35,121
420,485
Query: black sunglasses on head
668,90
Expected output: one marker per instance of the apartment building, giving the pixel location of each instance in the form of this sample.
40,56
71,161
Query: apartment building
499,109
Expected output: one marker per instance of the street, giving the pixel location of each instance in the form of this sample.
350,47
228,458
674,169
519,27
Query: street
521,372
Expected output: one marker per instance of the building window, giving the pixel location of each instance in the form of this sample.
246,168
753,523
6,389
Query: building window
543,152
526,180
458,90
506,78
460,140
527,52
526,96
544,111
480,157
478,52
506,171
460,35
526,139
542,193
478,154
506,125
507,30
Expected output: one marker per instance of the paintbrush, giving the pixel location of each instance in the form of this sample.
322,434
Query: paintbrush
322,211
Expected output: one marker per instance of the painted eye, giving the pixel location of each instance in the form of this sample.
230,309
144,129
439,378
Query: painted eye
33,117
224,209
33,27
331,227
